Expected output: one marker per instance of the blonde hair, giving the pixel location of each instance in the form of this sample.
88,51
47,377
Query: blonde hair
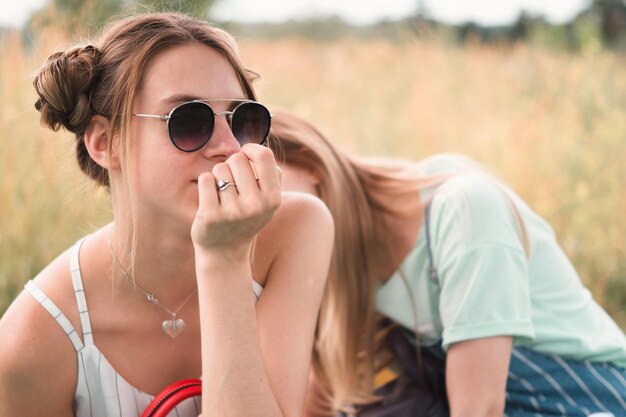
349,346
103,79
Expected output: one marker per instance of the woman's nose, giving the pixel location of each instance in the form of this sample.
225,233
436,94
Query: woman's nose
222,141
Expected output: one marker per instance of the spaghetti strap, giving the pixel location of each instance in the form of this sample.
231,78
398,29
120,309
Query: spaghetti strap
55,312
77,281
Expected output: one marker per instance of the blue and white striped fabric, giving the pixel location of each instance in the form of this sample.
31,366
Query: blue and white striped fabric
541,385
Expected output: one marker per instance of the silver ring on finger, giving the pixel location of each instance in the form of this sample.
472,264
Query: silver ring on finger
224,184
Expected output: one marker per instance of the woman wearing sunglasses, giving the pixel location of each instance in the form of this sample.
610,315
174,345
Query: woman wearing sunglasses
204,270
445,250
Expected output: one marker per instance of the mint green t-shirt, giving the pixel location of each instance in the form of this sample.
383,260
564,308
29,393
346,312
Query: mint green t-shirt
487,284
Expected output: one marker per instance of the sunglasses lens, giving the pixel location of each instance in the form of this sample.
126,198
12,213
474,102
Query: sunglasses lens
251,123
190,126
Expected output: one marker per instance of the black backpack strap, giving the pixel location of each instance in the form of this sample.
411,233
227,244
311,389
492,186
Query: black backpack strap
431,367
434,276
422,390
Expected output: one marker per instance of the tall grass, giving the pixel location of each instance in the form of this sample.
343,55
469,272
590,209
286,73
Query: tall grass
45,203
551,124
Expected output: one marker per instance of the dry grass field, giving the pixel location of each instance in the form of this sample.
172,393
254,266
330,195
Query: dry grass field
551,124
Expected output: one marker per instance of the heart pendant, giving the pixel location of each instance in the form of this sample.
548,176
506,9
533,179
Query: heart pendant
173,327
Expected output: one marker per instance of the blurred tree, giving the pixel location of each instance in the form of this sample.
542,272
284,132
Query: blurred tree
613,19
584,33
419,22
198,8
520,29
80,16
469,32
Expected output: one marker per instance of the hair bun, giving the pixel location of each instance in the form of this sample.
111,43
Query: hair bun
63,85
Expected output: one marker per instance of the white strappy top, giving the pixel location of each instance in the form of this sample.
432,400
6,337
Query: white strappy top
101,391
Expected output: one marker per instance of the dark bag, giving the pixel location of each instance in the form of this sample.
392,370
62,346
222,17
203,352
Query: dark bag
419,391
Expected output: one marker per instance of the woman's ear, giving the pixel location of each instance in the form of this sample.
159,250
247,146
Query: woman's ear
97,138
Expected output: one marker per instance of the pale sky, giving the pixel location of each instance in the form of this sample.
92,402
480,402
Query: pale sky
15,13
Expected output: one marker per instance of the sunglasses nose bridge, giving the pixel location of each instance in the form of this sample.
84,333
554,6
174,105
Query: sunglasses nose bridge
217,135
228,115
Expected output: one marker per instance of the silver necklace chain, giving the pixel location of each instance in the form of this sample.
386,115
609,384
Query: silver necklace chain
171,327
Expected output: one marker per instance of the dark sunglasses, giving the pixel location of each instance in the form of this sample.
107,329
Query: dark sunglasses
190,124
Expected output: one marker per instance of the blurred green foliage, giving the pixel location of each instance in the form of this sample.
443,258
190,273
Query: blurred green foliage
602,25
82,16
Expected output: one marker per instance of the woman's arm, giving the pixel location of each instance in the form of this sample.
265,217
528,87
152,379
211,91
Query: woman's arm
476,373
255,359
37,363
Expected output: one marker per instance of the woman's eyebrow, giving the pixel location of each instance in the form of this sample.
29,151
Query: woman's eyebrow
177,99
181,98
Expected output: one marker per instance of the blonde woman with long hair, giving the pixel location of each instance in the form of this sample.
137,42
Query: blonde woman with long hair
203,271
442,248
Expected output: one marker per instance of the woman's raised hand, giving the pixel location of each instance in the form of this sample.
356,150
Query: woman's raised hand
229,217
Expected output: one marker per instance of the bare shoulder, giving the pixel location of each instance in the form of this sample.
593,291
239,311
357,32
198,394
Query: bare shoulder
298,213
303,207
302,226
37,361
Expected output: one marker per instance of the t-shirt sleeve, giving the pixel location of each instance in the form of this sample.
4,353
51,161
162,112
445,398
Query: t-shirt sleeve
481,262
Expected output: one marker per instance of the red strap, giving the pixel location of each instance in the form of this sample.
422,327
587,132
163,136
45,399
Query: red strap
171,396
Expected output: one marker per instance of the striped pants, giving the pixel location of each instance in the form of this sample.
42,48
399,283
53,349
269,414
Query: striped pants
541,385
